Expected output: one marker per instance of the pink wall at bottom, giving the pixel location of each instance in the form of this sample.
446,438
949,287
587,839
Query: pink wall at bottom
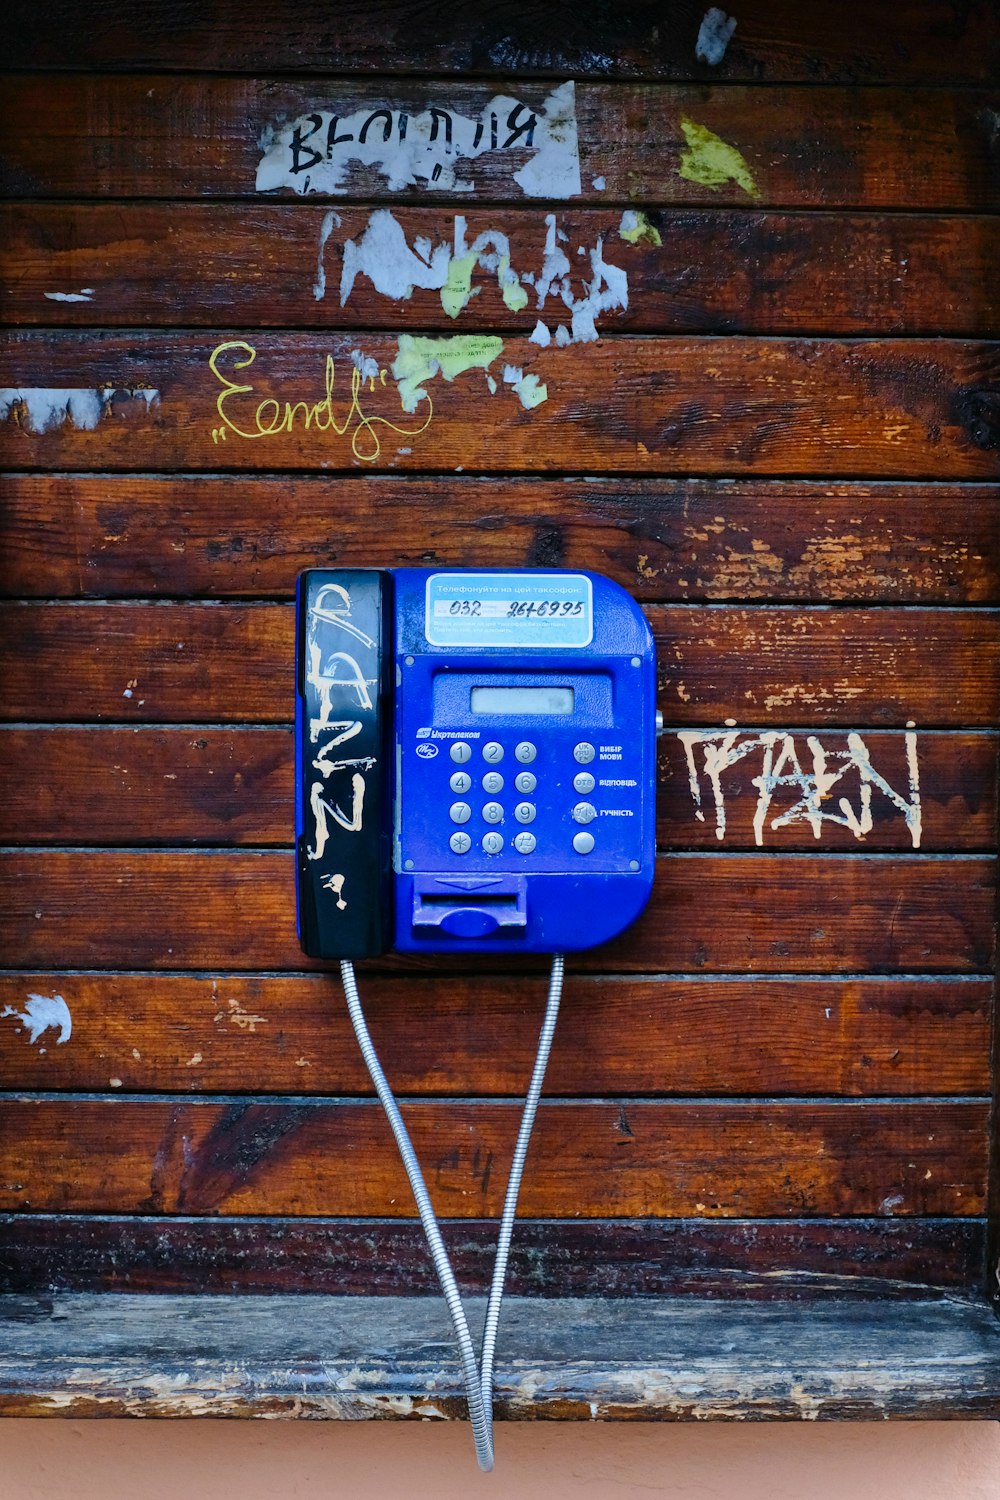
186,1460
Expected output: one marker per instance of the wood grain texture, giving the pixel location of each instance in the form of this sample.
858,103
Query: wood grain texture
888,41
224,787
766,913
749,1259
907,409
221,264
583,1359
783,666
475,1034
185,136
674,539
334,1158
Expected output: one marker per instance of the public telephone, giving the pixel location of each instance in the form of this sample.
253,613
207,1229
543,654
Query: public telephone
475,774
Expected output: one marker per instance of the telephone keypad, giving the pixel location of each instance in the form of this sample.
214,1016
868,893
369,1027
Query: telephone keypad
524,842
492,783
492,812
460,752
460,782
524,812
492,842
525,752
493,752
460,812
525,781
460,843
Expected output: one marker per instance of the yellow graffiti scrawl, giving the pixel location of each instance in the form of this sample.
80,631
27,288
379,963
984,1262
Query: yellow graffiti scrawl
246,418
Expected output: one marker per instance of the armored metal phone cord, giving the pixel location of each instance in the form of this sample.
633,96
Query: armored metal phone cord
478,1376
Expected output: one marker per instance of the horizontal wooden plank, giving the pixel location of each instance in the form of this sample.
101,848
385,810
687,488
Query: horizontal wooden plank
680,539
855,1037
908,409
570,1358
750,1259
338,1158
783,666
223,787
767,913
886,41
185,136
214,265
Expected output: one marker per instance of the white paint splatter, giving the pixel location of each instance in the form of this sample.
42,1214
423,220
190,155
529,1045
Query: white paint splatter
598,184
367,367
83,295
43,1013
330,222
44,408
781,769
383,255
714,36
528,388
314,152
540,335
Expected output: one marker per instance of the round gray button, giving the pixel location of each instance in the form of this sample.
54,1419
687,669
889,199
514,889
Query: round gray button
492,842
493,752
460,843
583,753
460,752
460,812
525,752
462,781
524,842
584,812
525,781
492,783
582,782
583,843
524,812
492,812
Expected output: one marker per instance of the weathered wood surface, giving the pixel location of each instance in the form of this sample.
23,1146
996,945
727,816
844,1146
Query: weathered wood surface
784,666
606,1159
908,409
174,136
760,1259
679,539
738,913
888,41
476,1035
220,264
588,1359
233,786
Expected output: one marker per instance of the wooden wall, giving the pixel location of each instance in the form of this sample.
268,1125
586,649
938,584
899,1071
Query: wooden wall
783,438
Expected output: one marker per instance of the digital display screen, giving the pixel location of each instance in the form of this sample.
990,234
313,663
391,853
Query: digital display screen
522,700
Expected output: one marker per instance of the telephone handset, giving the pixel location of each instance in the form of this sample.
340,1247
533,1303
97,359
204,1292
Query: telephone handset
475,773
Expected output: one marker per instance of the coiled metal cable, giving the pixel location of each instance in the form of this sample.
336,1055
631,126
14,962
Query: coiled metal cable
478,1376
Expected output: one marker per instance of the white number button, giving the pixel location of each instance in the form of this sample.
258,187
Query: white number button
492,842
492,812
525,752
583,843
524,843
493,752
462,781
524,812
584,812
460,843
525,781
460,752
583,782
583,753
492,783
460,812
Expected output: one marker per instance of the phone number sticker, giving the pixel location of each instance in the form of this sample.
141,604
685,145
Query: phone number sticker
553,610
